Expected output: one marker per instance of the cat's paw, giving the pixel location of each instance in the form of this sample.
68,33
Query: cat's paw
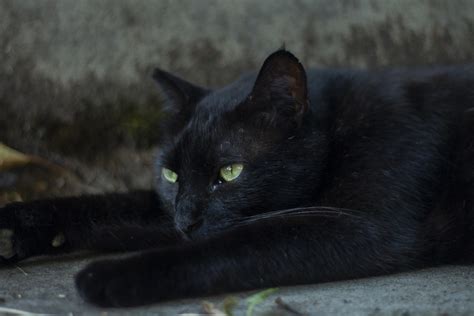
8,242
138,280
22,234
7,250
92,283
111,284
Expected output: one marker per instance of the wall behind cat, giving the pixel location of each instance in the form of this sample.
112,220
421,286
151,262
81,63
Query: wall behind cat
75,83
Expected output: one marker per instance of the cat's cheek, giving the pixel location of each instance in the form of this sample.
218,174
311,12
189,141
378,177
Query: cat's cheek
167,194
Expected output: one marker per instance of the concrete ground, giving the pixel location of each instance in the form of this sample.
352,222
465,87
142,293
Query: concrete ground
46,286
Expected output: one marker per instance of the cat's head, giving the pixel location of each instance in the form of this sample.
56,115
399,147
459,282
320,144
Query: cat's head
245,149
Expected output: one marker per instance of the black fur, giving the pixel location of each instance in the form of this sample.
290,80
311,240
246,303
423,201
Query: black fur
347,174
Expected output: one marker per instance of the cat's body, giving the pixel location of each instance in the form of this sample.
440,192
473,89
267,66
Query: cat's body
342,174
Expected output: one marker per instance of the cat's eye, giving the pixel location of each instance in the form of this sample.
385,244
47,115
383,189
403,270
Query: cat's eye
169,175
231,172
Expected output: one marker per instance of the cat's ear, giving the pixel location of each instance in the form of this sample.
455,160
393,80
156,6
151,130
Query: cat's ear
280,90
179,96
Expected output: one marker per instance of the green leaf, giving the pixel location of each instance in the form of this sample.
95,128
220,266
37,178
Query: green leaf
229,305
258,298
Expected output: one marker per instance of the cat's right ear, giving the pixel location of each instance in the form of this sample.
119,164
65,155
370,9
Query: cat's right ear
279,97
179,97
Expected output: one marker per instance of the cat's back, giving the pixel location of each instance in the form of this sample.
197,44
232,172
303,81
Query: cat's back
413,85
423,114
441,95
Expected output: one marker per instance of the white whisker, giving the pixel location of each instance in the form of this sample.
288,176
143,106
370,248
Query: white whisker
321,211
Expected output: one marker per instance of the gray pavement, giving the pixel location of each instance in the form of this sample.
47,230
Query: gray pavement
44,285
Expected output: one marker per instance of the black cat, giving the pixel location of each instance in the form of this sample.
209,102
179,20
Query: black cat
282,178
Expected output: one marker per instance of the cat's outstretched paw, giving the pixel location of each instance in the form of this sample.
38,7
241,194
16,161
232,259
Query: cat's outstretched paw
91,285
7,250
110,284
22,234
8,243
134,281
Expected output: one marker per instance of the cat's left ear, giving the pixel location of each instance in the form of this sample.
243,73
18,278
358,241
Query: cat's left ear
280,90
180,96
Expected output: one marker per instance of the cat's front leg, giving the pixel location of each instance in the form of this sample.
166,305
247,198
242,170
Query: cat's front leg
150,277
113,222
274,252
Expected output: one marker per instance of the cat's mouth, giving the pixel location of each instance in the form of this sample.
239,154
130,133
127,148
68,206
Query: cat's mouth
192,232
196,225
203,230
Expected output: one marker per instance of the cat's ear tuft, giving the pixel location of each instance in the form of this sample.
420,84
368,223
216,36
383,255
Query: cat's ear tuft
179,96
177,93
281,85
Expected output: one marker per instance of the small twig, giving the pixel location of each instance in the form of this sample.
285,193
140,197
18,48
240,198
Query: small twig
21,270
17,312
286,307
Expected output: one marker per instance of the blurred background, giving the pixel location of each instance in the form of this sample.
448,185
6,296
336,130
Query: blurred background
79,111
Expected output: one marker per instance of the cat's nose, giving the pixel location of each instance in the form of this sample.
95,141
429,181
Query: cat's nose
188,217
187,224
189,228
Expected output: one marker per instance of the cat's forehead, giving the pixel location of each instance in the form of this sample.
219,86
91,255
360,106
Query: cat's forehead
208,122
226,98
207,131
209,134
209,139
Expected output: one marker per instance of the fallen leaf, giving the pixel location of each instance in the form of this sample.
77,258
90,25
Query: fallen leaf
11,158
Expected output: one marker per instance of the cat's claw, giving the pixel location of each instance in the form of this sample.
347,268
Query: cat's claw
6,244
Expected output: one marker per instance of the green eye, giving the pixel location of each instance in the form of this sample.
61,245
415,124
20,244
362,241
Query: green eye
231,172
169,175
